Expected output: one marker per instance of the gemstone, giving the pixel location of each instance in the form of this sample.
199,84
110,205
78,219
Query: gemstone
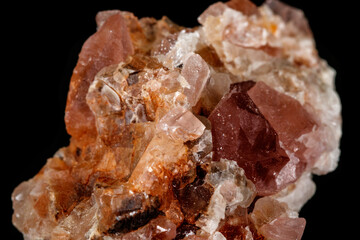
212,132
263,127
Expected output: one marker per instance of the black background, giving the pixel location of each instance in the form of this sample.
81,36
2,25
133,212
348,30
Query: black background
40,47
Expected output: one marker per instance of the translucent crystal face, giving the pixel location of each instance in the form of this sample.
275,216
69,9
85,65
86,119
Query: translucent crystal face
264,128
177,133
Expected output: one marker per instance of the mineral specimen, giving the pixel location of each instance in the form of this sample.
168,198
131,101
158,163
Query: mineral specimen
177,133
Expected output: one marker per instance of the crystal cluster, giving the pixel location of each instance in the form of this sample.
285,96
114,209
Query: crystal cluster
212,132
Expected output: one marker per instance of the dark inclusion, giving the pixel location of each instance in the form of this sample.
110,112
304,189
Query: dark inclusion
133,78
136,212
194,198
185,229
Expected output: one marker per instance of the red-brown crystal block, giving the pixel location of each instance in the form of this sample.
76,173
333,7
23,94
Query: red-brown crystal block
286,115
245,6
264,144
109,45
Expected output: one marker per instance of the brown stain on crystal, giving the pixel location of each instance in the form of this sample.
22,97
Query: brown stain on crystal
41,205
210,56
193,197
109,45
245,6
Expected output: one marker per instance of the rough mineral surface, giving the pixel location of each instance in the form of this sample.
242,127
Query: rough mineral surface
205,133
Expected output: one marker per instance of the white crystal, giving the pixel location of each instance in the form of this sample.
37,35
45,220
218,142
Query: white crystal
298,193
215,213
187,42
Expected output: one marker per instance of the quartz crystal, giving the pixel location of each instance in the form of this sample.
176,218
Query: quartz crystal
212,132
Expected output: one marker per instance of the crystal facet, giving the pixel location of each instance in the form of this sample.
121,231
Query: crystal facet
264,127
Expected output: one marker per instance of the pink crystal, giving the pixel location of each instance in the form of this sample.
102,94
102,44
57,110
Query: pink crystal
275,221
196,72
284,228
276,108
290,14
266,210
215,9
263,140
181,124
109,45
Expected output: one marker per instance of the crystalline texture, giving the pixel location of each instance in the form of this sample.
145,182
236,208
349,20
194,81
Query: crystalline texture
110,45
196,73
263,127
284,229
181,124
290,14
275,221
244,6
177,133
